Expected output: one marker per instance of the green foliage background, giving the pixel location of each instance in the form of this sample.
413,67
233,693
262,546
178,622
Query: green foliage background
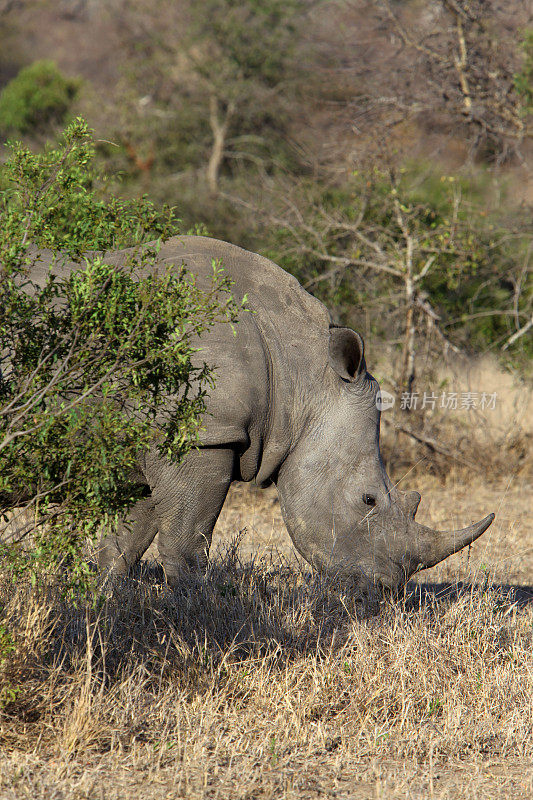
96,365
39,95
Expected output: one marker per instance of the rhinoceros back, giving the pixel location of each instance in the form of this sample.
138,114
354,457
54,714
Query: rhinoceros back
279,344
278,351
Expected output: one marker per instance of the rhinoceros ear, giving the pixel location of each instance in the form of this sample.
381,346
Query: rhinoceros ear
346,352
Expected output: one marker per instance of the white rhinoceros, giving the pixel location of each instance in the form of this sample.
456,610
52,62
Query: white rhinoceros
293,404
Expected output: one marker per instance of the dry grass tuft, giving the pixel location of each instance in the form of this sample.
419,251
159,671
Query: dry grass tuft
259,679
478,436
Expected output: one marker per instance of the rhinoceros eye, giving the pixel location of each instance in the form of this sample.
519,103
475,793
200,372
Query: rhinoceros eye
369,500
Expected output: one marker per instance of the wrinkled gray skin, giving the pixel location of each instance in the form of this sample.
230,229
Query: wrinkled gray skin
293,404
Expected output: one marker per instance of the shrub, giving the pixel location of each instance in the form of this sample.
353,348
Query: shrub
38,95
88,361
523,79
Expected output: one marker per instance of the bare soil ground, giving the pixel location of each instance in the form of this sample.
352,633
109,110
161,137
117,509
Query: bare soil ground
259,680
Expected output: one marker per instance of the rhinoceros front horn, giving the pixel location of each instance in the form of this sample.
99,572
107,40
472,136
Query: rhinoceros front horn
434,546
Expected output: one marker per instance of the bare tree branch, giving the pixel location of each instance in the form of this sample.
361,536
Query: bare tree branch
518,334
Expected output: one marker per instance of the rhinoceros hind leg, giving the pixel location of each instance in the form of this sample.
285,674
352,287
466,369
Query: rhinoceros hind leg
119,551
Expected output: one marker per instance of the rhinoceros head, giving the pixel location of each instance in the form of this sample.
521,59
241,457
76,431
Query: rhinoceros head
342,511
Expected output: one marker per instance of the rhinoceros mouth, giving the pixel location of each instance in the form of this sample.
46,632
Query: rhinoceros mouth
416,548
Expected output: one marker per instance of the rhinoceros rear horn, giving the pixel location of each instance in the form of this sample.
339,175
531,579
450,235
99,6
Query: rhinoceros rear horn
434,546
346,352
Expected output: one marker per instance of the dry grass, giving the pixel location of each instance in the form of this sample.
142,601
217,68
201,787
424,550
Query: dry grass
259,680
495,439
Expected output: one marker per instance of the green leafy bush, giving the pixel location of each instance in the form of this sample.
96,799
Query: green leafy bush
88,361
523,80
38,95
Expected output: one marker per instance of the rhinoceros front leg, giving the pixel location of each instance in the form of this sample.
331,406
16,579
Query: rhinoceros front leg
183,508
188,499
